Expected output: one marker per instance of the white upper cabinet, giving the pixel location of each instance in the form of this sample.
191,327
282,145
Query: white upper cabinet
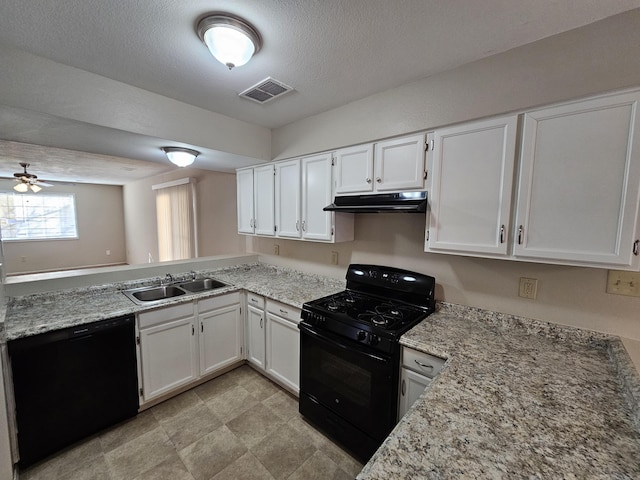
471,187
578,192
399,164
288,199
354,169
386,166
255,200
244,179
316,194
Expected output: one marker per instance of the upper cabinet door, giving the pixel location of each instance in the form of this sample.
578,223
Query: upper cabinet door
472,186
244,179
399,164
316,187
354,169
579,182
287,199
263,185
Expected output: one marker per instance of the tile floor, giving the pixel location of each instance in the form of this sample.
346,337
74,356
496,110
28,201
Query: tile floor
237,426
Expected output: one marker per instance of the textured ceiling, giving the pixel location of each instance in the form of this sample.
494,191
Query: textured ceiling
332,51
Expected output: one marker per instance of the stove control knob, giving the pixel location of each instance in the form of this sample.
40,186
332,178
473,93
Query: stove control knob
362,335
374,339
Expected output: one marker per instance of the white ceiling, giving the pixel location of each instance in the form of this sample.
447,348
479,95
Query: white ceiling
331,52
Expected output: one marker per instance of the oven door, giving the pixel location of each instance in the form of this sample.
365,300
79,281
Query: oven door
350,380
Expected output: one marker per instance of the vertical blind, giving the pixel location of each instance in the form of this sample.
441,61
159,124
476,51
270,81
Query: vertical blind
174,208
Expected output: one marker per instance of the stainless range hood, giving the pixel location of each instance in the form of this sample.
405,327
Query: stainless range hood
407,202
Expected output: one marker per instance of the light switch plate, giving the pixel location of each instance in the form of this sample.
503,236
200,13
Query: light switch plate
620,282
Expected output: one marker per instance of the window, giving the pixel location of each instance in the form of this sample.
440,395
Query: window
175,211
39,216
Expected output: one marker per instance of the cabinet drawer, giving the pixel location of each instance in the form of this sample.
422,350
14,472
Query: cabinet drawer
155,317
254,300
284,311
422,363
214,303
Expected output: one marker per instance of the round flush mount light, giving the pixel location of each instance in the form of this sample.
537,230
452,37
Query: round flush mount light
231,40
182,157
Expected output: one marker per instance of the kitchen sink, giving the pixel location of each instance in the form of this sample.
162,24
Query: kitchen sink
148,295
201,285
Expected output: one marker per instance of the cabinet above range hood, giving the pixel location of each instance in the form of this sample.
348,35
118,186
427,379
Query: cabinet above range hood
406,202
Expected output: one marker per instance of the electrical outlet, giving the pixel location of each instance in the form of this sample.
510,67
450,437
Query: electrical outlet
528,288
623,283
334,258
276,249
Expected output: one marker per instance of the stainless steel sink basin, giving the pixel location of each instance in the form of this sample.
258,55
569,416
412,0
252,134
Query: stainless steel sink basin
152,294
201,285
149,295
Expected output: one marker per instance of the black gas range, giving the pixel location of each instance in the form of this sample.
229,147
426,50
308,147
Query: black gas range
350,353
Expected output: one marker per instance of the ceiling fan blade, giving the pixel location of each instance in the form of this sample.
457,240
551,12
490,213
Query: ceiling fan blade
44,184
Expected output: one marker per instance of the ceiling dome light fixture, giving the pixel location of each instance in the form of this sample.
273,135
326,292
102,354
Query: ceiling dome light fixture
182,157
231,40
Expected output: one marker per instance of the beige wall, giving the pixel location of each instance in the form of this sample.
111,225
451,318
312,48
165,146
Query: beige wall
599,57
566,295
100,228
596,58
217,219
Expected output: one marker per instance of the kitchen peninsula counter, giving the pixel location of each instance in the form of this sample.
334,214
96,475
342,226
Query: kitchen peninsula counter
518,398
43,312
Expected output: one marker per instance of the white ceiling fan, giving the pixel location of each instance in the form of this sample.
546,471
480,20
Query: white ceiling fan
28,181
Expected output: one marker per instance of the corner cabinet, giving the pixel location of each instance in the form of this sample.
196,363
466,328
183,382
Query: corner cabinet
303,187
470,194
390,165
255,200
578,192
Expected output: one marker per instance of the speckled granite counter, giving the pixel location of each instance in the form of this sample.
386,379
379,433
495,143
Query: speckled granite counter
517,399
33,314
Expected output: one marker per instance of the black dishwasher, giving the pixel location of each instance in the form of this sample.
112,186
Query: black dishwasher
71,383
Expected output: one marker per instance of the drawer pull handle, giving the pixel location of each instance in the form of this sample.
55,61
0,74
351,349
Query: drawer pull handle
254,300
424,365
284,312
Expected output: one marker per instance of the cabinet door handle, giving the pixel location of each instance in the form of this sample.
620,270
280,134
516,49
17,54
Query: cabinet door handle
297,225
304,225
379,180
635,247
193,330
404,388
368,180
424,365
520,233
502,234
260,323
201,327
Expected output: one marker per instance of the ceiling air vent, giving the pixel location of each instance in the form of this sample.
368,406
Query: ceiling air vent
266,90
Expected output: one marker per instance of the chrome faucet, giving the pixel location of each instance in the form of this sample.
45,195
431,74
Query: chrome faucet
168,278
193,275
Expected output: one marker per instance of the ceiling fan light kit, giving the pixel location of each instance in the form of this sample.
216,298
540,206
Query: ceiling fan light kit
182,157
230,39
28,181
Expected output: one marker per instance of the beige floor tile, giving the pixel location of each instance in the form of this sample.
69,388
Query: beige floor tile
344,460
175,405
231,403
190,425
212,453
243,375
282,404
139,455
247,467
254,424
128,430
262,388
214,387
172,469
320,467
96,469
284,451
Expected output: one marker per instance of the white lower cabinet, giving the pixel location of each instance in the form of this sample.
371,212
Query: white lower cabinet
256,330
283,345
180,344
168,350
416,373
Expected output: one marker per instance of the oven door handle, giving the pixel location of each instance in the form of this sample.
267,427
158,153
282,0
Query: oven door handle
335,341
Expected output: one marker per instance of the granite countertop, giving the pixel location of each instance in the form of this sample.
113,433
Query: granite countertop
39,313
517,398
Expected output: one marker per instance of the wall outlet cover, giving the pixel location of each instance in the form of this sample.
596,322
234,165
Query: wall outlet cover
620,282
528,288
